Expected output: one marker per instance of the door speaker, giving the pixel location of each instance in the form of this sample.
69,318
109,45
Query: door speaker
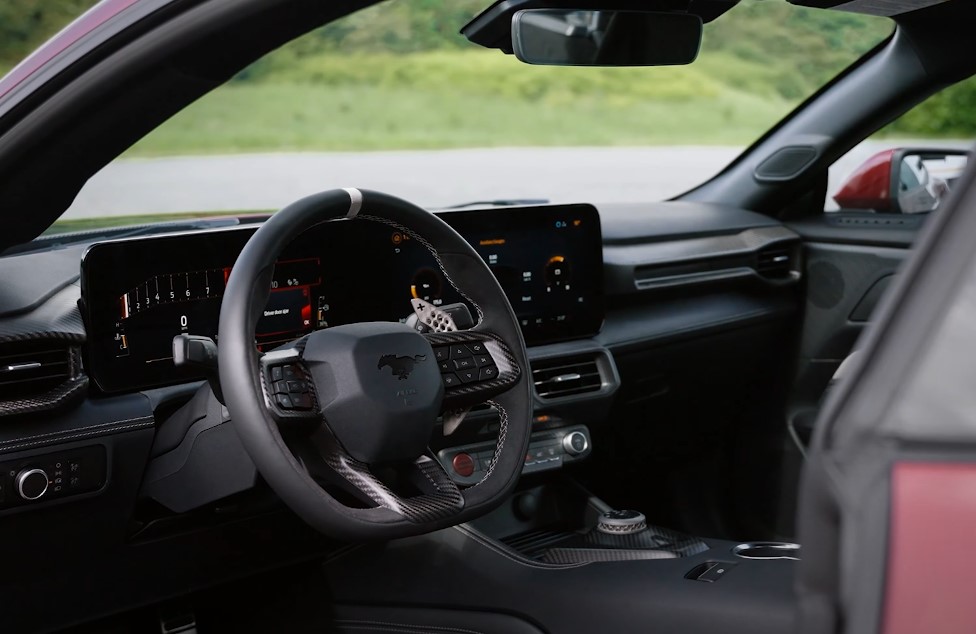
825,285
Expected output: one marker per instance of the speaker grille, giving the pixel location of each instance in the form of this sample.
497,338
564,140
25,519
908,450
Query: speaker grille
825,285
786,163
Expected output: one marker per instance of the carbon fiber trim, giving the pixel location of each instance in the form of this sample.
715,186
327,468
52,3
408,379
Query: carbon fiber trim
474,393
41,335
570,547
60,396
73,388
592,555
58,319
444,502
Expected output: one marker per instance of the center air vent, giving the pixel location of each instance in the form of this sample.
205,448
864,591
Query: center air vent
33,368
775,262
557,378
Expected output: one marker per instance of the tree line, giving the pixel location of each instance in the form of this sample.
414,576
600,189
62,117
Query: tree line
802,48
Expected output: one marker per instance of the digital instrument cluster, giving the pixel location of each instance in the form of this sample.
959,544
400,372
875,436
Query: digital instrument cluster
137,294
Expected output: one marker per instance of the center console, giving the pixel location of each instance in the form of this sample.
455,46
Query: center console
559,558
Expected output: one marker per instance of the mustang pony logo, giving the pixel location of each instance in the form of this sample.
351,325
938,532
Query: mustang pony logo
401,367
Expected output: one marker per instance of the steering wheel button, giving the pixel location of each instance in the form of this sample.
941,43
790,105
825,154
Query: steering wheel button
276,373
442,354
488,373
281,387
463,464
451,380
463,364
459,352
477,348
284,401
468,376
445,366
290,372
483,360
301,401
297,387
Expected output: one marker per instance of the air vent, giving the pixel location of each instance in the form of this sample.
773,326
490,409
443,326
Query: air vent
33,368
775,262
558,378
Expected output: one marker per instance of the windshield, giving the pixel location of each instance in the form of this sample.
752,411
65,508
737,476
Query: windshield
392,98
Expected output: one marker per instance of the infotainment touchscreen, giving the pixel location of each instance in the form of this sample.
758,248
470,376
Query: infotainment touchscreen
137,294
548,260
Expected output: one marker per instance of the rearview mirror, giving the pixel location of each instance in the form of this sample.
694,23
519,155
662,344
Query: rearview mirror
571,37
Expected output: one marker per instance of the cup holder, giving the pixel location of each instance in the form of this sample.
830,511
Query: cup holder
767,550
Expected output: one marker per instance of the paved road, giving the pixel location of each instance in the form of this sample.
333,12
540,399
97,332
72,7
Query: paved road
431,178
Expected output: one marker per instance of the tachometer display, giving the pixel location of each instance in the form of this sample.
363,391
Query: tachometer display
141,293
173,300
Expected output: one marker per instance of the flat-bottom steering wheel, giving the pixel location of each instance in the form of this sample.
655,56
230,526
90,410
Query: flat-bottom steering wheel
350,456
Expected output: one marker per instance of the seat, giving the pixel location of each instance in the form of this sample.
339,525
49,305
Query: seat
887,508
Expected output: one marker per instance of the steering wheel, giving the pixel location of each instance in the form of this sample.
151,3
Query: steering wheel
338,422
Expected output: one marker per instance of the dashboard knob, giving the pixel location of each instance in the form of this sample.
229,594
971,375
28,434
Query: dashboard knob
32,483
575,443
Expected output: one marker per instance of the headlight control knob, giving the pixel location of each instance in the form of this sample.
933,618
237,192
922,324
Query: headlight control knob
575,443
31,483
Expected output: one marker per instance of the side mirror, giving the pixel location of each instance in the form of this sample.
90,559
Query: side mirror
572,37
903,181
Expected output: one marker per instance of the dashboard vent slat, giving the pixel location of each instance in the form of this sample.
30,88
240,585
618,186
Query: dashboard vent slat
775,262
557,378
32,368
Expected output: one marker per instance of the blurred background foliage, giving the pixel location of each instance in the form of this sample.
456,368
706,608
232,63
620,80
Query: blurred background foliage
399,75
25,24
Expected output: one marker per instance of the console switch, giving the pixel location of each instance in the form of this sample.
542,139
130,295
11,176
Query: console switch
51,476
463,464
710,571
547,451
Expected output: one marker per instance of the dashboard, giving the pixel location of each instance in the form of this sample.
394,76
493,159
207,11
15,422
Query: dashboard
137,294
679,304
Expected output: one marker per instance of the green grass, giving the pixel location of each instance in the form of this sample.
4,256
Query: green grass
451,99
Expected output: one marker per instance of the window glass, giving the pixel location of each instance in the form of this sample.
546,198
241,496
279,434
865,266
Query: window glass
393,98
